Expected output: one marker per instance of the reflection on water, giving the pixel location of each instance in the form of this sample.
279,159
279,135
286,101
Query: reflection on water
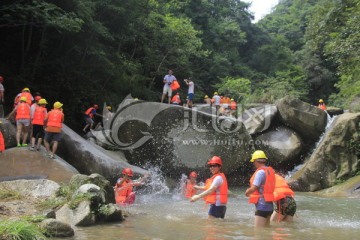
163,217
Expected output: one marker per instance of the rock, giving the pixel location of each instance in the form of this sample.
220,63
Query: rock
258,119
309,121
98,180
90,158
336,157
281,144
9,132
20,163
332,111
97,196
349,188
111,213
177,138
82,215
41,188
56,228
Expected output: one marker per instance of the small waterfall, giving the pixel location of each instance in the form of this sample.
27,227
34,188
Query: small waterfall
329,125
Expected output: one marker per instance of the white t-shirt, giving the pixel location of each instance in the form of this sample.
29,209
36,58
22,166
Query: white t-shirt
191,87
169,79
218,180
217,100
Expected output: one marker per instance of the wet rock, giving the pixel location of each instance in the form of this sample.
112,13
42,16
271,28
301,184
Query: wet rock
82,215
89,158
56,228
96,195
111,213
332,111
349,188
281,144
336,157
309,121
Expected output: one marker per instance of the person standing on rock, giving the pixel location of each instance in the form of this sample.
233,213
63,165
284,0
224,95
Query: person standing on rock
168,80
215,190
284,201
53,122
124,194
261,190
190,95
22,110
38,114
322,105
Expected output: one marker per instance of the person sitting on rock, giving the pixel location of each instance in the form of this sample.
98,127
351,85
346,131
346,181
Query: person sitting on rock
124,194
322,105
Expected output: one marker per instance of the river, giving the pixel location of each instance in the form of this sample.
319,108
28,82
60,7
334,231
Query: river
169,216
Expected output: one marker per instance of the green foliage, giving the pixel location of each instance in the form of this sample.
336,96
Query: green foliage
20,230
74,202
51,203
104,210
237,88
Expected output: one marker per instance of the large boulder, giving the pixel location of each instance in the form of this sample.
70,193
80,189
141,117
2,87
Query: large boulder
258,119
280,144
41,188
20,163
332,111
308,120
349,188
336,157
9,132
177,138
82,215
90,158
56,228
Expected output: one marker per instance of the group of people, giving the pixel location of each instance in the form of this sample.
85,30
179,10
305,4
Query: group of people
267,189
31,115
224,105
171,84
90,114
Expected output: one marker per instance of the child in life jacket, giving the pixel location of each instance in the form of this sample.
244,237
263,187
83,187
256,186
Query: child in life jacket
189,189
124,194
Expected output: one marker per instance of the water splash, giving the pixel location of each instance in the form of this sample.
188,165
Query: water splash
179,189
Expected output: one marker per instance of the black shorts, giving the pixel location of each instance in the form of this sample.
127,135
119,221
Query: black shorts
51,136
38,131
217,211
263,214
287,206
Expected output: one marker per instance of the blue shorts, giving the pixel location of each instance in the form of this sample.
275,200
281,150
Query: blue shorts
217,211
190,96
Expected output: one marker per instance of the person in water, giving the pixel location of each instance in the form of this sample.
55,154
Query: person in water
216,190
284,201
124,194
190,183
261,190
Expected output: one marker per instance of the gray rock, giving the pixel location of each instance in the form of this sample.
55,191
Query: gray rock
9,132
40,188
332,111
97,196
56,228
336,157
111,213
281,144
82,215
309,121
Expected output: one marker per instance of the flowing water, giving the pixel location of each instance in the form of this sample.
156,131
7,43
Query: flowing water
159,213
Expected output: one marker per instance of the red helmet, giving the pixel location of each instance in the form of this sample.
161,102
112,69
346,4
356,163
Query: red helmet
37,98
215,160
96,106
1,79
128,172
193,174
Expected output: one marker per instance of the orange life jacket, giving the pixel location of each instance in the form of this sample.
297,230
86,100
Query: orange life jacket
175,85
233,105
223,190
89,112
2,142
176,99
23,111
123,191
269,186
322,106
28,96
39,115
189,190
55,117
282,189
226,100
